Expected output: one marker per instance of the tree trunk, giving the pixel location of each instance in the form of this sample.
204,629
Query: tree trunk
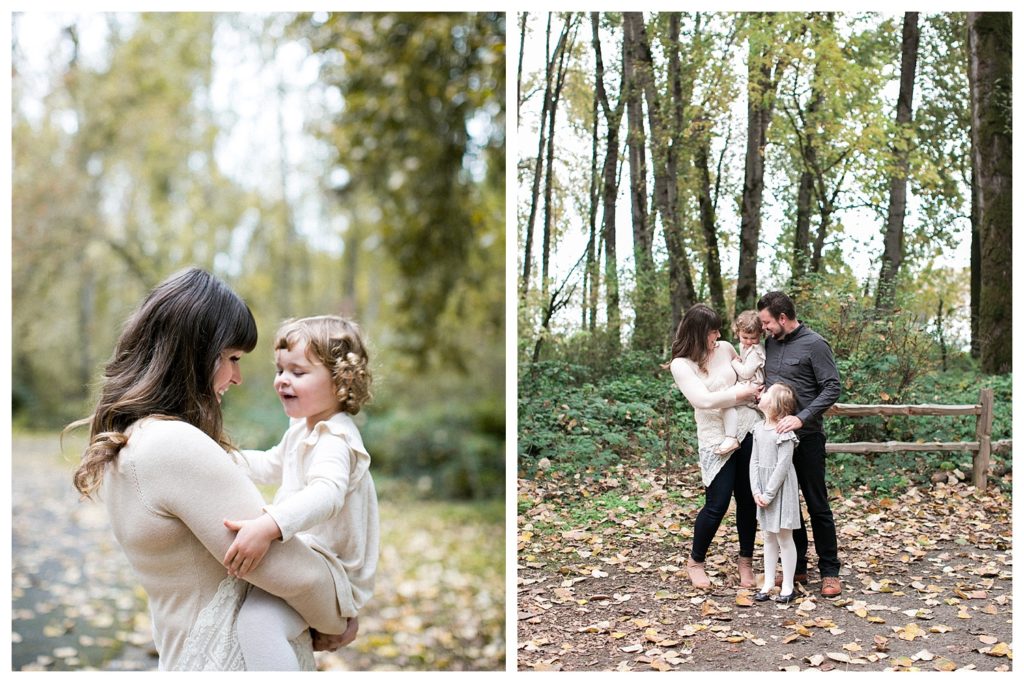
643,238
519,72
892,250
556,95
805,189
590,271
990,44
975,258
763,81
706,207
609,192
679,275
538,167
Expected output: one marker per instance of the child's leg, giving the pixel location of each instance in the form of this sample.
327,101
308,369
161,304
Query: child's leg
265,625
787,549
729,421
771,558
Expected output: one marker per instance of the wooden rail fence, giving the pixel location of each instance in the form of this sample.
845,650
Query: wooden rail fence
982,448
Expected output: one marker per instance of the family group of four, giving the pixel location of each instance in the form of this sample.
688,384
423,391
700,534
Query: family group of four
761,439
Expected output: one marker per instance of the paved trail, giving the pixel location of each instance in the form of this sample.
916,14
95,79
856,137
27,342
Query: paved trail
74,605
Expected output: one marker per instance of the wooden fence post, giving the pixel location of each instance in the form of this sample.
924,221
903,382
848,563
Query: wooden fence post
981,457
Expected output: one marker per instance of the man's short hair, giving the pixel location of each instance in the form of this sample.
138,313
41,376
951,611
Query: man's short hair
777,303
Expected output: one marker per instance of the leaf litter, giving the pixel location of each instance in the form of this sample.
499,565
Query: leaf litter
927,582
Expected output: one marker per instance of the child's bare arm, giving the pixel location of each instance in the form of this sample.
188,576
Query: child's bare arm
251,543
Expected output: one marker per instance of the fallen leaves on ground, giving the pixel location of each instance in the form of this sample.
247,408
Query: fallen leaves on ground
439,601
927,582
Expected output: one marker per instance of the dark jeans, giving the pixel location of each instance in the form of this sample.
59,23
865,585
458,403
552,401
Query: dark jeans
809,463
733,480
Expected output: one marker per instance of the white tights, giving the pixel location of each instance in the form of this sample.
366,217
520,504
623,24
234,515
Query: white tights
776,544
265,626
729,422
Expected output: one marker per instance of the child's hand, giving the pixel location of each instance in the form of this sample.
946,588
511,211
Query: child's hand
251,543
761,502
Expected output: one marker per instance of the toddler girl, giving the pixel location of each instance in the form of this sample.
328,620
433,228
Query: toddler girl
774,486
326,492
749,367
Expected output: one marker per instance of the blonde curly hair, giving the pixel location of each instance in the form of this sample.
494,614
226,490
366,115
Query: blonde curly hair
747,322
338,344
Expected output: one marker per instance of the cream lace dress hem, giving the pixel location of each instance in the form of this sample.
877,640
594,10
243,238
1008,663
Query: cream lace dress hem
212,644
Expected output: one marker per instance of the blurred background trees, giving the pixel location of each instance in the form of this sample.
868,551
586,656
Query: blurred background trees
345,163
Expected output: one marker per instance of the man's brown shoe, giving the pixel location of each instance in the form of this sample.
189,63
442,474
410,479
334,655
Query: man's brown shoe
797,578
831,586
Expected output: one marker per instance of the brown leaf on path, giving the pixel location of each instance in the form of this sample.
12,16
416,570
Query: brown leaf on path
661,665
997,650
909,632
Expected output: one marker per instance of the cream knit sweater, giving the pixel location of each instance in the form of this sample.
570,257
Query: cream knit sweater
709,392
168,494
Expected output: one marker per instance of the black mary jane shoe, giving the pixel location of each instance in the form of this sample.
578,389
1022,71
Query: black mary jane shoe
761,596
785,599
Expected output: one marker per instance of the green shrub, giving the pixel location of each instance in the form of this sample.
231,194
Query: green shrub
589,414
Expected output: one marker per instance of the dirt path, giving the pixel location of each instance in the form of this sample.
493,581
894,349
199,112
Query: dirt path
927,585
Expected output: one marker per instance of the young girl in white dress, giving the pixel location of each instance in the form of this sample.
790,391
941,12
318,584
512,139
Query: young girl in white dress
776,493
326,493
749,367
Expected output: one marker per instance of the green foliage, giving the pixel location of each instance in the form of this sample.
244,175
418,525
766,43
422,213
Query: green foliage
450,445
416,87
588,419
592,414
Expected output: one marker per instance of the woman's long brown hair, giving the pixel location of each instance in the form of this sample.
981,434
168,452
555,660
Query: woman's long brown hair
163,366
691,340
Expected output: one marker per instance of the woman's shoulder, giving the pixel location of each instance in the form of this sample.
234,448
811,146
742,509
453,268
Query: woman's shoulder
168,438
153,428
724,347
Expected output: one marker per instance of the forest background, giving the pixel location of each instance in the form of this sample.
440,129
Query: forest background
318,163
847,158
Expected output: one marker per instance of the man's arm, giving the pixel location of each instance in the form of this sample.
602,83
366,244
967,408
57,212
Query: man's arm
826,375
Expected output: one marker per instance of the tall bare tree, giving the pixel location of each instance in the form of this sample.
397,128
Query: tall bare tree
645,334
566,41
538,166
609,184
892,249
766,63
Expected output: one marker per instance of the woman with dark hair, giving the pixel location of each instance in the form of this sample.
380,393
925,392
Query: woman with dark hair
170,480
702,369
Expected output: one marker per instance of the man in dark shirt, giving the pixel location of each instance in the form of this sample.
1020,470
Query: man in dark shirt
802,359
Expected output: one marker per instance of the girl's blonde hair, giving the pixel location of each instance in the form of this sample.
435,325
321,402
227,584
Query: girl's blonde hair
338,344
781,401
747,322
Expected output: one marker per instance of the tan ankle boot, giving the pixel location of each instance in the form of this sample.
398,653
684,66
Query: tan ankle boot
696,572
746,568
